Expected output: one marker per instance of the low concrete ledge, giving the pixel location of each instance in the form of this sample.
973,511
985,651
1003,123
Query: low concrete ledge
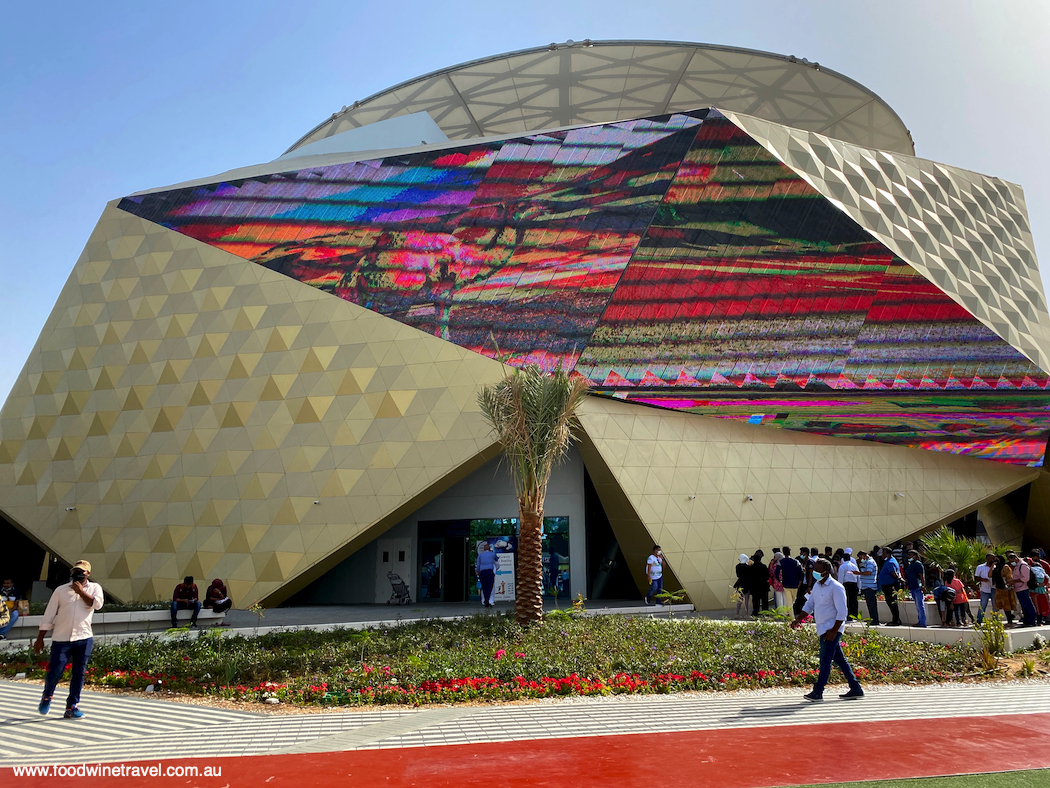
124,617
910,616
21,639
1016,639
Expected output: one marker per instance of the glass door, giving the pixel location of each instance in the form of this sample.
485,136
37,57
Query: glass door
431,570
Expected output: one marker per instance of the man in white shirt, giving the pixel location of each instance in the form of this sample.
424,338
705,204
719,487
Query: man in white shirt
984,574
850,581
827,605
654,573
68,617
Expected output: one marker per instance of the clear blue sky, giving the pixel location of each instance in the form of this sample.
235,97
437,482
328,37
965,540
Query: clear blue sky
98,100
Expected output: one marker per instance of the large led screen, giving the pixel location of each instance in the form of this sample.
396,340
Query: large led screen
670,260
1009,427
511,249
749,278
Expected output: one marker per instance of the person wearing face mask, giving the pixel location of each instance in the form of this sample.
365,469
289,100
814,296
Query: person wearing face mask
1021,573
827,605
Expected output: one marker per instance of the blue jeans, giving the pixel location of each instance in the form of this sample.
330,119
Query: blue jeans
987,598
920,605
77,652
1027,607
9,624
831,651
195,606
655,587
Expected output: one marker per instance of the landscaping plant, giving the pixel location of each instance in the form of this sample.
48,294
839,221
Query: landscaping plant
532,414
948,550
493,658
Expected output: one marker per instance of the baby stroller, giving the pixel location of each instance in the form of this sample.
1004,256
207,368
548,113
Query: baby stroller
400,595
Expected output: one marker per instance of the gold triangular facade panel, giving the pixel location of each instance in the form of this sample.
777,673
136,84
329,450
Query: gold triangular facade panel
734,488
200,412
967,233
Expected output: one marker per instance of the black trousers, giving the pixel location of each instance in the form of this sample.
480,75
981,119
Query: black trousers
895,614
852,594
759,600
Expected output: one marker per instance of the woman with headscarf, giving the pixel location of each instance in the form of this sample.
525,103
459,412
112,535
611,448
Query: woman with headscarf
743,590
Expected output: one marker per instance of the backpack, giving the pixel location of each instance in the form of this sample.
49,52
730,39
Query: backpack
1036,577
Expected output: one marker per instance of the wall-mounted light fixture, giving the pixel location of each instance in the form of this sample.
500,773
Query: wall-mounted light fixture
316,502
899,494
692,497
71,508
750,498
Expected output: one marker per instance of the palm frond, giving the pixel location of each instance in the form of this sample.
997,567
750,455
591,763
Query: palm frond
533,416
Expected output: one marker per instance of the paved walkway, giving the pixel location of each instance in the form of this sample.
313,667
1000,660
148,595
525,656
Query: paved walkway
895,731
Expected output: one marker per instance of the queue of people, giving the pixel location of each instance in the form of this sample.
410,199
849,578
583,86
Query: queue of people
1014,585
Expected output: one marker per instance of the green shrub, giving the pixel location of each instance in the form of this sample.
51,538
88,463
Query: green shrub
493,657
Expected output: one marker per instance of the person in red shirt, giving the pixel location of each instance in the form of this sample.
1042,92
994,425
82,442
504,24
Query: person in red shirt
961,605
185,598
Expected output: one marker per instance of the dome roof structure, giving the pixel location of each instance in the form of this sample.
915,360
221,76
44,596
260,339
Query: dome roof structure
582,82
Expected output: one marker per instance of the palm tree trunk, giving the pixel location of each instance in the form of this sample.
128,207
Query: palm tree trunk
528,586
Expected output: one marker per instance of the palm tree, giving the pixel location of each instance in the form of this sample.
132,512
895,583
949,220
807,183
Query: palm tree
533,415
950,551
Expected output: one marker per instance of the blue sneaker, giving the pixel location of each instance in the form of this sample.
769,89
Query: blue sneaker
73,714
45,706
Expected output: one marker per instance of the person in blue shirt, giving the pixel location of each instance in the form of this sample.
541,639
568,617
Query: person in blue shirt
916,573
485,567
827,604
889,577
868,571
789,574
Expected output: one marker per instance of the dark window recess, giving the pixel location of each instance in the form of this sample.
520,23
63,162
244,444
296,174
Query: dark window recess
608,576
400,555
386,557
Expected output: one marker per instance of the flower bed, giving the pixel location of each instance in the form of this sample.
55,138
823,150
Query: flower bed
491,658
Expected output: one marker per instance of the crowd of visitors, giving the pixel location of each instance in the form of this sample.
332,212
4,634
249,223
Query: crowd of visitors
1014,585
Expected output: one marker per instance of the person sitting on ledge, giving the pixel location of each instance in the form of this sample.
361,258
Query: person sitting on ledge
216,598
9,597
185,598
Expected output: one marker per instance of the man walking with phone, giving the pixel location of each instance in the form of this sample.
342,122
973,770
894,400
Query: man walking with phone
68,618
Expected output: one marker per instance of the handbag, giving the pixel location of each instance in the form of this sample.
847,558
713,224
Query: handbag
5,614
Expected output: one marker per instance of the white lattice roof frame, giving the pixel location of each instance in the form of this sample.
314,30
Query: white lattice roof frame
604,81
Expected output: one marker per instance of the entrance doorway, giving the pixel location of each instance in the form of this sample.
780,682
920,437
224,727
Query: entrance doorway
442,565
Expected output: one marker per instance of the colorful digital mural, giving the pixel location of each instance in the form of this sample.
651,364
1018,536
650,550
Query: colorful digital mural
510,249
748,278
671,254
1009,427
